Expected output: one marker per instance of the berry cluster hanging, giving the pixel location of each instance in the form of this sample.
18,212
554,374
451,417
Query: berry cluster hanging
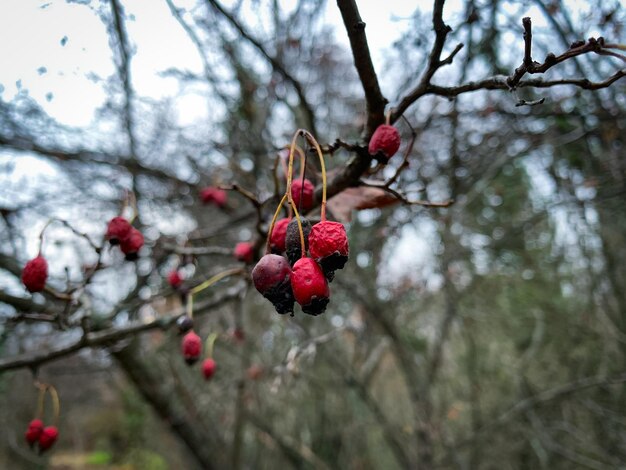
301,259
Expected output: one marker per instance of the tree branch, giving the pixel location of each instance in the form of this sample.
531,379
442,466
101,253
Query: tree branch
277,66
374,99
110,335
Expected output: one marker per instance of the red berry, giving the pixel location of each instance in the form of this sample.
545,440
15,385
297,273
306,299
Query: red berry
174,278
35,274
310,287
214,196
208,368
48,437
35,427
303,194
271,277
192,347
244,251
386,140
131,245
277,238
118,229
328,245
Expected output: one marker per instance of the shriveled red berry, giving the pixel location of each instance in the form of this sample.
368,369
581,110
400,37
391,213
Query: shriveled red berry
192,347
215,196
35,273
277,238
310,287
131,245
184,324
328,245
303,194
208,368
35,427
244,251
292,239
117,230
271,277
386,140
48,437
175,278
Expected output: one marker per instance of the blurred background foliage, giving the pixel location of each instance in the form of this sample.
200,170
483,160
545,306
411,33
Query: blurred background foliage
490,334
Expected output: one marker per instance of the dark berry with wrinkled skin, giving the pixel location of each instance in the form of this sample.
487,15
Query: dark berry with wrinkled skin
303,194
117,230
35,428
131,245
277,238
184,324
271,277
310,287
35,274
48,437
292,239
328,245
385,141
192,347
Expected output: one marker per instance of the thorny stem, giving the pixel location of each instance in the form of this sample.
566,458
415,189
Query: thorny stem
208,345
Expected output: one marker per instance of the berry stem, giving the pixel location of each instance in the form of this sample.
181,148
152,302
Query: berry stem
40,399
388,116
212,280
298,133
190,305
208,345
312,140
48,222
56,403
133,204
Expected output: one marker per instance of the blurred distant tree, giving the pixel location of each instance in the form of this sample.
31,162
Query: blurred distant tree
481,319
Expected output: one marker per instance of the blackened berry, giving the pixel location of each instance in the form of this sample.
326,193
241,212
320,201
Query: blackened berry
292,239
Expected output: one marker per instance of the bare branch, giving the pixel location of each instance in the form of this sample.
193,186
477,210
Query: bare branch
278,67
111,335
374,99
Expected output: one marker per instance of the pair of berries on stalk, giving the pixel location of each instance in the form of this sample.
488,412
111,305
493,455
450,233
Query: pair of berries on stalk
121,232
38,434
43,437
191,347
299,278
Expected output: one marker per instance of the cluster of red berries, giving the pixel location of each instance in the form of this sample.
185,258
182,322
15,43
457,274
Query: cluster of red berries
43,437
284,281
191,347
121,232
